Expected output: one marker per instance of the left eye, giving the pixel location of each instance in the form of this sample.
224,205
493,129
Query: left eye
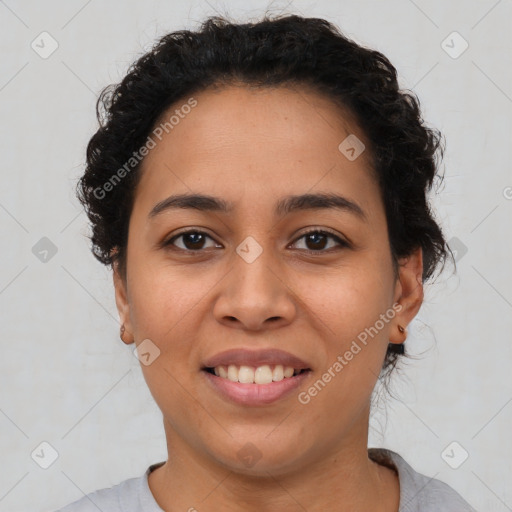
319,240
194,240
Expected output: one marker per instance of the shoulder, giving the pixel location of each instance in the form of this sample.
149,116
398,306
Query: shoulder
131,495
108,498
418,492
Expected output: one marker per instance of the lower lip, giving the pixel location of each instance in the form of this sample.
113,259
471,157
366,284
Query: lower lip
255,394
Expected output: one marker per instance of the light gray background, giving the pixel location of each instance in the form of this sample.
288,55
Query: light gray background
69,381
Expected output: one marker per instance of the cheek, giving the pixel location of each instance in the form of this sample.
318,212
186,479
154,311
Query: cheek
161,299
164,309
351,300
355,313
167,310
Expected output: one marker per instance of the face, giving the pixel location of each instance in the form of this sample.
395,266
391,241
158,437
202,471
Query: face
264,274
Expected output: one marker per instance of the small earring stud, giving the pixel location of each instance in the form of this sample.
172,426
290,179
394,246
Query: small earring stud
397,348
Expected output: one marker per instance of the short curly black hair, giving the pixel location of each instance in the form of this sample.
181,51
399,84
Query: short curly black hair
286,50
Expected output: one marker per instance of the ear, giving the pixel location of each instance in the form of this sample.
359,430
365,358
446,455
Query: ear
123,306
408,292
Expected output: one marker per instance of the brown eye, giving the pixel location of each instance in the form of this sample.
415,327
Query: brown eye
191,240
317,240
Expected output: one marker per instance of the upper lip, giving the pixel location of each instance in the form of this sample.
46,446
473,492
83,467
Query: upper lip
246,357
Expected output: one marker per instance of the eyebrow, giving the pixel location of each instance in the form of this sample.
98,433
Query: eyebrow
285,206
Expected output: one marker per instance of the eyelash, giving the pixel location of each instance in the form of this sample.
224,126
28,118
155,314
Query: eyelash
342,243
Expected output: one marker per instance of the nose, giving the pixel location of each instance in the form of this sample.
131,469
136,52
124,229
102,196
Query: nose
255,295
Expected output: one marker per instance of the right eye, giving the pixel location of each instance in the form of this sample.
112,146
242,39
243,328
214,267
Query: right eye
193,240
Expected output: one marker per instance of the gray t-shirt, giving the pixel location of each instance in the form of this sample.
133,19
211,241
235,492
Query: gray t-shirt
418,493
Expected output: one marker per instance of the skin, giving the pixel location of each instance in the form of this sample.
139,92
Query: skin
253,147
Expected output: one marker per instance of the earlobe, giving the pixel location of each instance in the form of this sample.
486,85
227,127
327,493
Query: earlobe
125,336
409,292
123,306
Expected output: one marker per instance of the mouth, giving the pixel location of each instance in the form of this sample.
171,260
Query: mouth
254,377
251,393
263,374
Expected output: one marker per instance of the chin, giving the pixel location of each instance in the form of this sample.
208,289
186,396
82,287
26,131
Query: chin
259,457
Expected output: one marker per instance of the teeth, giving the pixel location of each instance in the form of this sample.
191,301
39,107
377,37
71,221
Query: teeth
233,373
245,375
249,375
278,373
263,375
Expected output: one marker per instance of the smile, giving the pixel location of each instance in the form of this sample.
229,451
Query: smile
264,374
252,393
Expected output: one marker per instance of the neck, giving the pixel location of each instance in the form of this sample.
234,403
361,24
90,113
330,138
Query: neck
344,480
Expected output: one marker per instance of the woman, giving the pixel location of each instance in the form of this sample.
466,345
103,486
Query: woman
260,193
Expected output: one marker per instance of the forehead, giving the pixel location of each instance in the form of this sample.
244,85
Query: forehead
238,138
288,115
